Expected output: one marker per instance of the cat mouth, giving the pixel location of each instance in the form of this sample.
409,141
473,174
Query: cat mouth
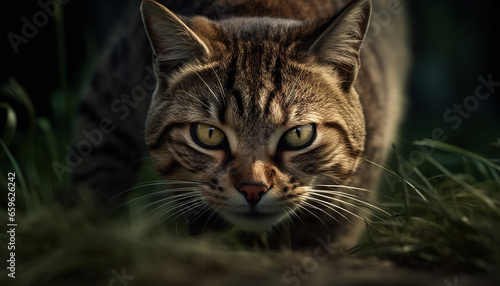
257,215
254,220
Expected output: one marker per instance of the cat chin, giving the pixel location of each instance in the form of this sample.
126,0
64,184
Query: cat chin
254,222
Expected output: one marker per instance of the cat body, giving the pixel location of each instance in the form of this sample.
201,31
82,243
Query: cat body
262,103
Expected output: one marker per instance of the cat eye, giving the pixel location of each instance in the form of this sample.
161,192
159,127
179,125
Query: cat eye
299,137
207,136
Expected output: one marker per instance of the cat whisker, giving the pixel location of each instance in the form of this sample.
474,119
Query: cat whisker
339,207
180,212
222,89
157,183
313,214
353,197
157,193
175,210
210,89
342,201
207,208
196,98
163,192
170,209
362,200
213,212
298,213
293,213
364,203
171,200
344,187
322,210
351,205
335,187
293,92
289,214
159,211
207,220
218,216
329,207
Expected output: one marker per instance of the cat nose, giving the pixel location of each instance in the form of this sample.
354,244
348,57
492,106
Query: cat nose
252,192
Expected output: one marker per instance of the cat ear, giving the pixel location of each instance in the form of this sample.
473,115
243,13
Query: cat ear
340,43
173,42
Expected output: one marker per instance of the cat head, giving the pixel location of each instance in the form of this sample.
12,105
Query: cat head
257,110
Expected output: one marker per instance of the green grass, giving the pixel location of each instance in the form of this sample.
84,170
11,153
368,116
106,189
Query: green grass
448,221
29,152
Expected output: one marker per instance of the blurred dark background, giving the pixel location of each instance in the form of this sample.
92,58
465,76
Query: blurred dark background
454,42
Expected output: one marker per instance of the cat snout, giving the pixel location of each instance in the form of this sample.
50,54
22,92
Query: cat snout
252,192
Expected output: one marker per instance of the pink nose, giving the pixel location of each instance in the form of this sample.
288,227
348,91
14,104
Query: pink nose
253,192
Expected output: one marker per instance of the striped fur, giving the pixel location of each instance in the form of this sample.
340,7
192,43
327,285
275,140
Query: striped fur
256,71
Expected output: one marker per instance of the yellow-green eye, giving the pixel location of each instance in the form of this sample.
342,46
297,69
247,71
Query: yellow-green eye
207,136
300,136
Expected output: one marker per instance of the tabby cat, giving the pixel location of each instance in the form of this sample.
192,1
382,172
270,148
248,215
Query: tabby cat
271,107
